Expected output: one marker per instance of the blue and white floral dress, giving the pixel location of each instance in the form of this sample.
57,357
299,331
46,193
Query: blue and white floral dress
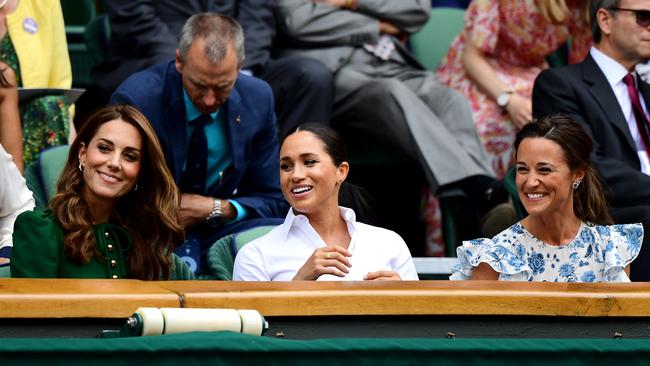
597,254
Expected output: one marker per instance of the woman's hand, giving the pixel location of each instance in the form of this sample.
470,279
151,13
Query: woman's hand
328,260
479,70
382,276
520,109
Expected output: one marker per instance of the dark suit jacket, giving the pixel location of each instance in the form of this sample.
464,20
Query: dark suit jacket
146,33
582,92
254,180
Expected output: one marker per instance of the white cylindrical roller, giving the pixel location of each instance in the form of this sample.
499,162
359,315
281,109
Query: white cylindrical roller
152,321
252,322
207,320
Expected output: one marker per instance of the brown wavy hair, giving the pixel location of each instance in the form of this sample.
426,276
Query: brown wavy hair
149,214
589,202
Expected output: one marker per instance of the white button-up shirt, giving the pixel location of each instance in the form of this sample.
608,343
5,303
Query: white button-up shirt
14,197
278,255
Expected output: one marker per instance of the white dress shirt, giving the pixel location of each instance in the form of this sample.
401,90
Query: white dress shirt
615,72
278,255
14,197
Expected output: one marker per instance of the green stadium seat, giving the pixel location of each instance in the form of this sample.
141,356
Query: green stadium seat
221,256
431,43
43,174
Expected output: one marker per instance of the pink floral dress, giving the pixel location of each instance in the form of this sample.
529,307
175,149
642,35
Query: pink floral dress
515,38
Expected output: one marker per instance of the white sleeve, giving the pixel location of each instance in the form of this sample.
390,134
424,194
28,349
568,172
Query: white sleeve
404,265
14,197
249,265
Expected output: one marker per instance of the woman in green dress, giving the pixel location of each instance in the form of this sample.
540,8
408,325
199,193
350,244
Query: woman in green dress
116,211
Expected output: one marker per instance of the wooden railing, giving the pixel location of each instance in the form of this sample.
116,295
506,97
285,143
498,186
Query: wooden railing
65,298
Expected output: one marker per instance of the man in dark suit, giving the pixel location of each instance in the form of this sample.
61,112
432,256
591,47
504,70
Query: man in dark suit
146,33
217,130
604,94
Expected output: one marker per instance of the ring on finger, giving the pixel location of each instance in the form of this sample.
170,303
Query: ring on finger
328,255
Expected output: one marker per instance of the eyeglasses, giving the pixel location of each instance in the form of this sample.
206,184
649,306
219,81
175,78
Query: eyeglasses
642,16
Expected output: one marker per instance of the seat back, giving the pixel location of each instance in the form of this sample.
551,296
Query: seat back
5,272
43,174
221,255
432,42
245,237
77,14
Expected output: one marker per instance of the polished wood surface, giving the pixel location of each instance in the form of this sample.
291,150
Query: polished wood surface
72,298
36,298
420,298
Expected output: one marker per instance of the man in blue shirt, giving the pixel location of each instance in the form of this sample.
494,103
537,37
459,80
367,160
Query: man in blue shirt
217,130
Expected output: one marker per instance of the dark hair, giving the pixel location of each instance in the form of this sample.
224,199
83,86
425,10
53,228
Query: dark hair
4,80
219,31
594,6
149,214
334,145
589,203
350,195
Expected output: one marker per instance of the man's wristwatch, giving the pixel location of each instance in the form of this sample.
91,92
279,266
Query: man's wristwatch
214,218
504,98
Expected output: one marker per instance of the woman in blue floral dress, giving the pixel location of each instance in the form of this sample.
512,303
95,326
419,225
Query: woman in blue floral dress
568,236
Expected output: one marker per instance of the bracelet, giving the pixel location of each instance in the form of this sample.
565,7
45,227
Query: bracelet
215,216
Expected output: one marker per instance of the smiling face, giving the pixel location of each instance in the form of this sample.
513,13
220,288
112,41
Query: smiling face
310,180
544,178
208,84
111,162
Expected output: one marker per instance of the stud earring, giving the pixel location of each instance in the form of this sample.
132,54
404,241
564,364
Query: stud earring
576,184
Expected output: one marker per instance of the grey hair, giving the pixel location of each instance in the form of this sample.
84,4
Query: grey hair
594,5
219,32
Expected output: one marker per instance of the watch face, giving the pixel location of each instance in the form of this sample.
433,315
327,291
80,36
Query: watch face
502,99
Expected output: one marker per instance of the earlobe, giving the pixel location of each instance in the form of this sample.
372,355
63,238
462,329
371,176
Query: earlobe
82,153
179,62
343,170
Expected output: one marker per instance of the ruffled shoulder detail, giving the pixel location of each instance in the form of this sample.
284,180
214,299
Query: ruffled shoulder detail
504,253
619,246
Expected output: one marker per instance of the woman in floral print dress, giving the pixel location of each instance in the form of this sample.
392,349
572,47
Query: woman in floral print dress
500,53
567,236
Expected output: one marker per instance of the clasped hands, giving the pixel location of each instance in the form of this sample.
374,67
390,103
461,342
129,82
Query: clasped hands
333,260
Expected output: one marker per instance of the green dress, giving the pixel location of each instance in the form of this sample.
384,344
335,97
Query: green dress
38,251
45,120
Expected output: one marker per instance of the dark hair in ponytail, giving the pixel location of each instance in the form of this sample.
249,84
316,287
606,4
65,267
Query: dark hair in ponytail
350,195
589,203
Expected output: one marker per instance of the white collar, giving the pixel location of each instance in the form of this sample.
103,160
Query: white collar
292,219
613,70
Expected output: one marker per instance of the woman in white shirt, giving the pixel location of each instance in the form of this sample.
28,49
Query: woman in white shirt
320,240
15,198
